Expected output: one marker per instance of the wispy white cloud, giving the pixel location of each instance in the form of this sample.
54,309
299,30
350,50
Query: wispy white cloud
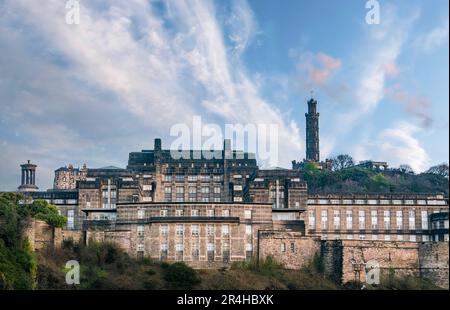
435,38
126,73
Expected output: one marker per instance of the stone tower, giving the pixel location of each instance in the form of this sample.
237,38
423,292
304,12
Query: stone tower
28,178
312,132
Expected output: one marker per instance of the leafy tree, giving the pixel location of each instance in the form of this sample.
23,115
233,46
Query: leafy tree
181,276
342,161
42,210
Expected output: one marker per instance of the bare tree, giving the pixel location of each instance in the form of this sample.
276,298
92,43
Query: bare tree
406,169
441,169
341,162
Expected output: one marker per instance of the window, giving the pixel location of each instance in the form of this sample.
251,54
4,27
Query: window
226,213
387,219
349,219
311,219
387,237
210,247
424,219
141,214
283,247
248,230
195,250
168,190
216,190
179,247
374,237
179,178
399,219
216,199
70,219
292,247
164,247
248,214
210,230
195,229
336,219
324,216
362,219
412,220
399,237
192,190
217,178
412,238
164,229
210,212
205,190
237,199
140,247
163,212
180,229
179,212
194,212
192,178
237,187
425,238
167,178
248,247
140,230
180,190
374,219
225,230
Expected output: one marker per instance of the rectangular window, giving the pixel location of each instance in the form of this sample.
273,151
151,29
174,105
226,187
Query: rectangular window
180,229
399,237
163,212
424,219
179,247
195,229
374,237
210,230
216,199
180,190
324,216
292,247
412,220
349,219
311,219
140,230
179,212
248,230
399,219
387,219
336,219
210,212
167,178
225,230
192,190
70,219
387,237
164,229
168,190
194,212
140,247
248,214
374,219
141,214
283,247
210,247
412,238
205,190
217,190
225,213
362,219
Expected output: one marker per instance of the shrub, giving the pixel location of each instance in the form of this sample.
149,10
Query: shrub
181,276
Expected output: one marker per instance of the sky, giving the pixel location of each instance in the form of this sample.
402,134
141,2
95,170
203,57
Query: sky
129,70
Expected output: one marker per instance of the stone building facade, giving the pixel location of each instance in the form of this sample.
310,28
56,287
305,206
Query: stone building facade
200,234
373,217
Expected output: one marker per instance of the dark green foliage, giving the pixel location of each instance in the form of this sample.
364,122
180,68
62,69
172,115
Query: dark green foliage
360,180
42,210
181,276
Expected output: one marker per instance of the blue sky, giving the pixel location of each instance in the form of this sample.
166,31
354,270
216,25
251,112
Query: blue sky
91,93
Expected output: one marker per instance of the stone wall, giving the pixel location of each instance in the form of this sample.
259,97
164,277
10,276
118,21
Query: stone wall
291,249
433,259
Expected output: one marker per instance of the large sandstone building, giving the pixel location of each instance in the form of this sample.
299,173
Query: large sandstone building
210,212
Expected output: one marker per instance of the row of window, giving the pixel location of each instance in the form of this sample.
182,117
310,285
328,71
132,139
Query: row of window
377,201
375,237
192,190
195,212
195,230
193,178
195,247
374,217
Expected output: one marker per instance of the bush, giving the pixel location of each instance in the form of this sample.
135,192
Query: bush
181,276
